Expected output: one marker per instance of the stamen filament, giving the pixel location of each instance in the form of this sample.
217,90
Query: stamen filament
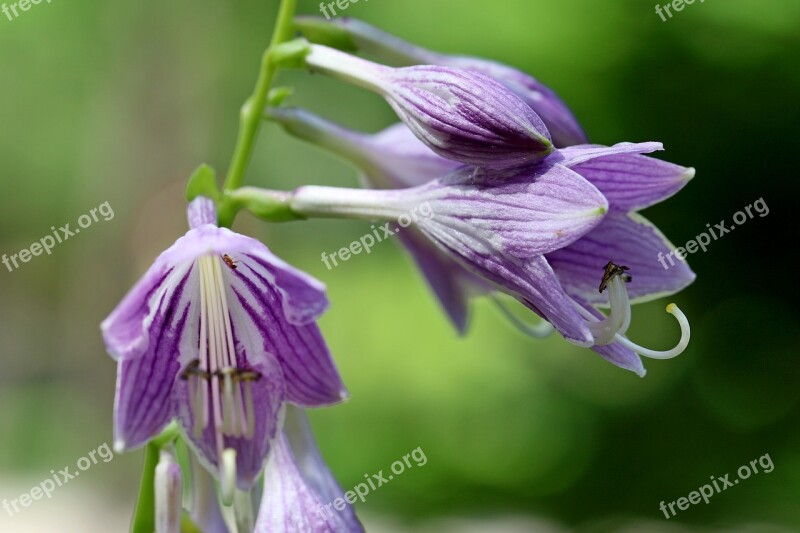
667,354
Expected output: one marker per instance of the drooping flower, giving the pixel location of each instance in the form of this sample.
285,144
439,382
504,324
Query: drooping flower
219,333
354,34
168,493
497,225
461,115
299,490
629,180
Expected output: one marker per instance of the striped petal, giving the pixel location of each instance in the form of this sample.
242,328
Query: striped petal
146,377
256,306
298,486
625,239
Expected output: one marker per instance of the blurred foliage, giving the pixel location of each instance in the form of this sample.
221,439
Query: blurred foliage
120,101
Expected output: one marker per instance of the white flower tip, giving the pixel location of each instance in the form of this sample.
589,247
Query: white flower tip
119,446
228,476
688,174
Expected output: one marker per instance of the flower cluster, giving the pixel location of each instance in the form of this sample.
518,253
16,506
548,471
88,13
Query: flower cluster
220,335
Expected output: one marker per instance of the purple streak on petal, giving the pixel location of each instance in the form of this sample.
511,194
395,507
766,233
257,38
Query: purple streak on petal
614,352
291,504
310,374
145,382
467,117
562,124
628,240
632,182
575,155
268,395
201,211
524,213
304,297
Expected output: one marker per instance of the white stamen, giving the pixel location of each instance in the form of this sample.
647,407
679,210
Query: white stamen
667,354
618,320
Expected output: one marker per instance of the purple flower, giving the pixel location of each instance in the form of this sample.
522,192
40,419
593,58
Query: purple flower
219,333
495,224
461,115
355,34
299,489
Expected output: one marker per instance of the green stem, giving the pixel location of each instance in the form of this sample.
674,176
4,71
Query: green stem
144,517
253,108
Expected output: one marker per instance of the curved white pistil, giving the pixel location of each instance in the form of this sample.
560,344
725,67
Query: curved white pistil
220,393
613,327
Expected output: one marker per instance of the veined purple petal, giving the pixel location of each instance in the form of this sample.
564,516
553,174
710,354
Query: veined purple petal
615,353
268,395
461,115
559,119
575,155
310,375
145,379
632,182
527,213
625,239
297,487
201,211
371,40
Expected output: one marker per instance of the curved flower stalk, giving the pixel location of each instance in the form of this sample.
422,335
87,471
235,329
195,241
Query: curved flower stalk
219,333
299,489
354,34
629,180
461,115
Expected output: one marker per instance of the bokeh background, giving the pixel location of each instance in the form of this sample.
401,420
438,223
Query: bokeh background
119,101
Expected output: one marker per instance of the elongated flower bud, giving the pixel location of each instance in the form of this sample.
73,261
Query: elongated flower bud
354,35
461,115
169,494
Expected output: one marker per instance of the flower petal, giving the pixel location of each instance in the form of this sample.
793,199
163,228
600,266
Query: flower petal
575,155
303,296
310,374
626,239
632,182
251,454
145,379
298,486
524,213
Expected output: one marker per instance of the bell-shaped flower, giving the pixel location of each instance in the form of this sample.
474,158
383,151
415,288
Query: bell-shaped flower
461,115
630,181
219,333
300,493
497,225
358,35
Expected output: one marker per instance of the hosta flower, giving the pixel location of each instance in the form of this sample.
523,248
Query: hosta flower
630,181
299,489
219,333
461,115
498,225
355,34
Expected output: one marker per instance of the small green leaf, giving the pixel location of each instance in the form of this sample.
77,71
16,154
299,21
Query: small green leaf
291,54
203,182
277,95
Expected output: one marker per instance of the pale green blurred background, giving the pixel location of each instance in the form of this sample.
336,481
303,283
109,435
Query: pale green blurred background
118,101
